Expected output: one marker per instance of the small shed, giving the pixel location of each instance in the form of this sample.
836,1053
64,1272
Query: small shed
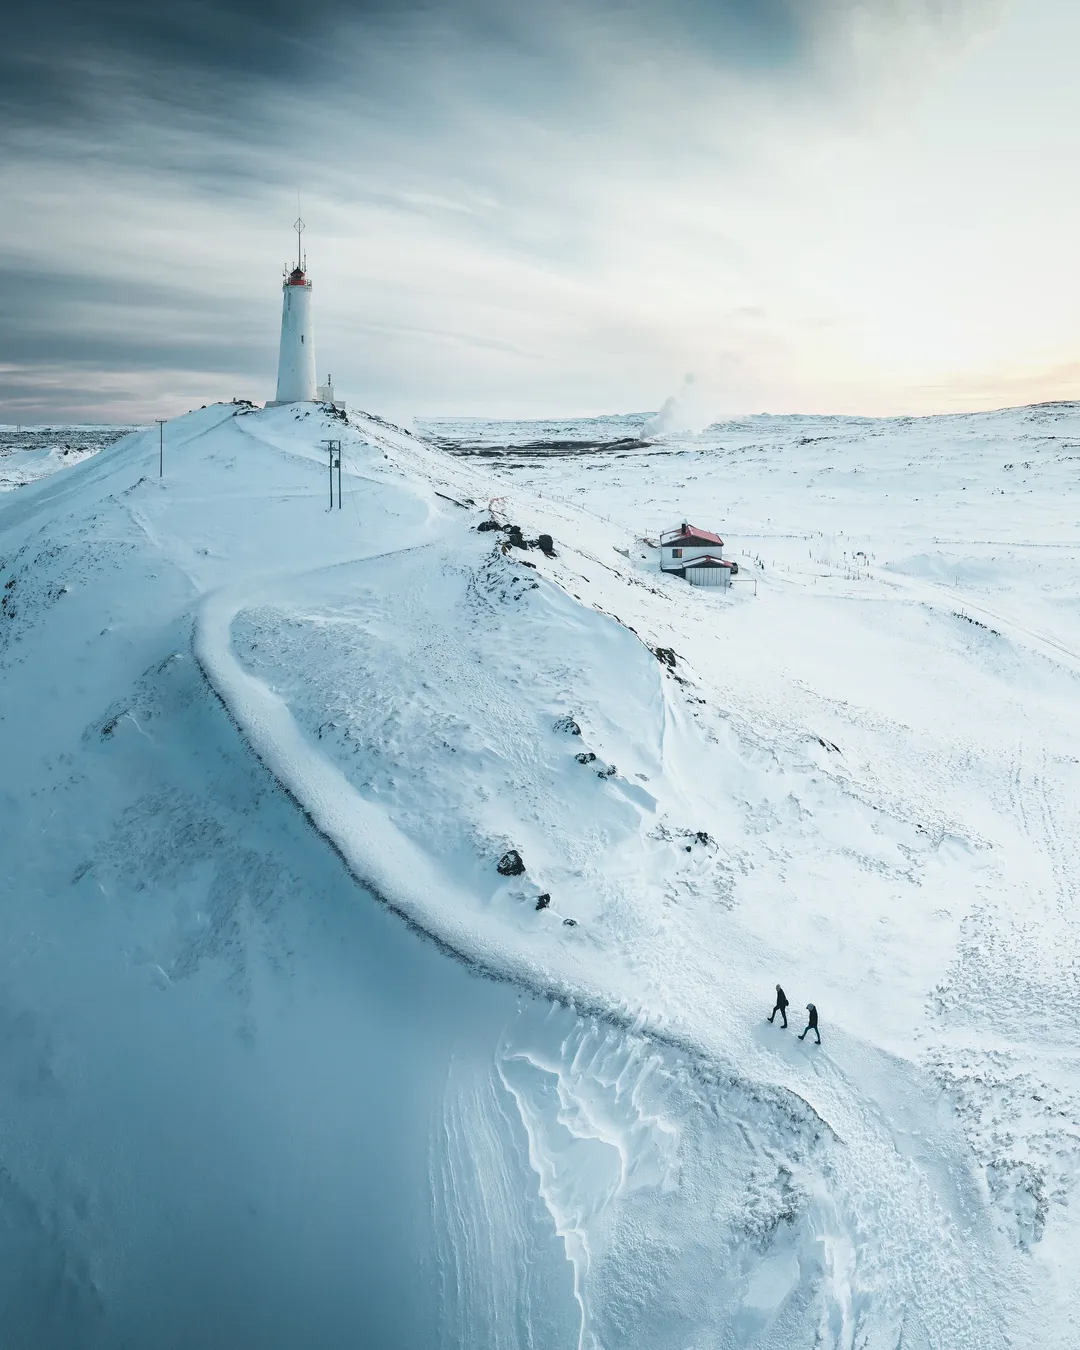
710,571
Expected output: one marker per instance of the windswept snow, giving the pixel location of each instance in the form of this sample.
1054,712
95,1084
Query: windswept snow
30,453
856,773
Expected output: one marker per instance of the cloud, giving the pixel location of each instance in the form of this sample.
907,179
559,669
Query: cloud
79,67
63,53
547,207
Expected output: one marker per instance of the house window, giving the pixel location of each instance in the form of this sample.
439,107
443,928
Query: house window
676,552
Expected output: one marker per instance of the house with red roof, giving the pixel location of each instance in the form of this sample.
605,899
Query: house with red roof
697,555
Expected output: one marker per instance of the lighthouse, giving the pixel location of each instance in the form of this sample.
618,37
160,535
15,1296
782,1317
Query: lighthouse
296,357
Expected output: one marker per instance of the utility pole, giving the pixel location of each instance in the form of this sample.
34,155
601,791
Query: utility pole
161,445
335,463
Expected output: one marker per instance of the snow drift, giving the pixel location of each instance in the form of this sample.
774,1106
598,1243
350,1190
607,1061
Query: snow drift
234,722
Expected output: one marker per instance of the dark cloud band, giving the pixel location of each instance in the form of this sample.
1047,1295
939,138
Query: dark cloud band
66,57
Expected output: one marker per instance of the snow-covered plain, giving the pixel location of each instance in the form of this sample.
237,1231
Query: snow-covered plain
29,453
247,1105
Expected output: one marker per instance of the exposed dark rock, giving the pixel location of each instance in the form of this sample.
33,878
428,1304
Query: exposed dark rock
546,545
570,923
702,837
486,525
586,757
609,772
542,901
510,864
666,656
543,449
968,619
568,725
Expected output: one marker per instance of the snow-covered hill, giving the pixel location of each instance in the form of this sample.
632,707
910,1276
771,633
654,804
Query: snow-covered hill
854,773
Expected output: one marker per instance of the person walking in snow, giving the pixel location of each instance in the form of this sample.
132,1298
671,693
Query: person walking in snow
812,1023
781,1007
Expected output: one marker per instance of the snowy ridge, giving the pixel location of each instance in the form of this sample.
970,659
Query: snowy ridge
377,853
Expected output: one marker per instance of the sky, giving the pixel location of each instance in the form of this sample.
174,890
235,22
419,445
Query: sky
559,207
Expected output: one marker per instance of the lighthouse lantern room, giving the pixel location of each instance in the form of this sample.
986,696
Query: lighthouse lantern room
296,358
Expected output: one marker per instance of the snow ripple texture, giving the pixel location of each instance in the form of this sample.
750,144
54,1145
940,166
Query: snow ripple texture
694,1209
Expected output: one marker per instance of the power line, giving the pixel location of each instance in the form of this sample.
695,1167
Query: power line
335,463
352,501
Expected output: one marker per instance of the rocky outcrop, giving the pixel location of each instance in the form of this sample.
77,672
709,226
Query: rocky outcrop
510,864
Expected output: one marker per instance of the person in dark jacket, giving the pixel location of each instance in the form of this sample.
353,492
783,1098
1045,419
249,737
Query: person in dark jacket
811,1025
781,1006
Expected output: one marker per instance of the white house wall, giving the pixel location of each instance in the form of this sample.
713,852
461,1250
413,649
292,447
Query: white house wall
668,559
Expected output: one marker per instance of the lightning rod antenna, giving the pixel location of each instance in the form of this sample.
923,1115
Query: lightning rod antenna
299,227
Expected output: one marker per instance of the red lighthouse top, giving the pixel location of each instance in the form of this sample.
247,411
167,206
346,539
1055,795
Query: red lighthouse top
297,277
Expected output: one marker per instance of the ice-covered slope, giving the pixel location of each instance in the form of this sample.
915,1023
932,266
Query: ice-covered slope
838,784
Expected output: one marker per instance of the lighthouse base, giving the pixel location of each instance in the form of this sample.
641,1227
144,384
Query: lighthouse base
338,404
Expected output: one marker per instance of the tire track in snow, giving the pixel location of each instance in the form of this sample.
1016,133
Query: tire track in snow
945,597
1012,1066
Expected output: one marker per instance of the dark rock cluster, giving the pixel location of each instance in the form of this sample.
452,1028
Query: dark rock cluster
510,864
516,539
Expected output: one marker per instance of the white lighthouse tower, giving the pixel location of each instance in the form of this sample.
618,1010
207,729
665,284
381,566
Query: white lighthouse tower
296,358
